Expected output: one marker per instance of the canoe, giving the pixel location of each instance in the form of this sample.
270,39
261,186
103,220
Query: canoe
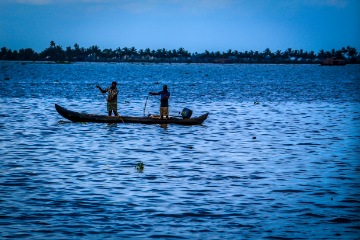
83,117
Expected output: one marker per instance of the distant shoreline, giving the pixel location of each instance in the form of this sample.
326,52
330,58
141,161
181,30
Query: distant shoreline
24,62
55,53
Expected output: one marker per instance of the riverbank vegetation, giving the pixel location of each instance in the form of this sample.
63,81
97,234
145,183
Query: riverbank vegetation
94,54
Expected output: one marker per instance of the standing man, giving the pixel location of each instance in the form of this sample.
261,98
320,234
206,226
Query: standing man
164,99
112,98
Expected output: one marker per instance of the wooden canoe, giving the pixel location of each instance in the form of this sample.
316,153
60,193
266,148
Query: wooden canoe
83,117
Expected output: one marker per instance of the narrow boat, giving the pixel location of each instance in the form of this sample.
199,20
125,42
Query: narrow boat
83,117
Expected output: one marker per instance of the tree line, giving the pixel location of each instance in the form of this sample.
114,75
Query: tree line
94,54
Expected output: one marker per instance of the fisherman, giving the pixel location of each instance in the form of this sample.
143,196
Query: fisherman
164,101
112,98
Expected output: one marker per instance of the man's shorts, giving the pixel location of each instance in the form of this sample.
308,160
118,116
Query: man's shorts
112,107
164,111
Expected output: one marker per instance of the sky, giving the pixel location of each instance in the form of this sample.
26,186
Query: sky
195,25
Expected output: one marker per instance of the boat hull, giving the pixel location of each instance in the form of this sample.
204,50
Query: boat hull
83,117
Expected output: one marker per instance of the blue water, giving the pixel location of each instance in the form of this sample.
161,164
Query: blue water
278,157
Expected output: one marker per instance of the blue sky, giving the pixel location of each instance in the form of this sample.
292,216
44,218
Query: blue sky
196,25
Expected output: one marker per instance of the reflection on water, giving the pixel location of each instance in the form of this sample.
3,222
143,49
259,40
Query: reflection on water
287,167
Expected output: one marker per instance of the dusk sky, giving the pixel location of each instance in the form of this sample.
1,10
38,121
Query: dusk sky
196,25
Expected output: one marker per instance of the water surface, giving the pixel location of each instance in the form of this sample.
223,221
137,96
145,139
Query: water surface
278,156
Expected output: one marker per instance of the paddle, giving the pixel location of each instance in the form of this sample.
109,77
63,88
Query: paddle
146,103
107,101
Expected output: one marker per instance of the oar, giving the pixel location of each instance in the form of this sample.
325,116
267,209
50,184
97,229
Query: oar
106,101
146,103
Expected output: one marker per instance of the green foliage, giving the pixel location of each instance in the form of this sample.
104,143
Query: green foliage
94,54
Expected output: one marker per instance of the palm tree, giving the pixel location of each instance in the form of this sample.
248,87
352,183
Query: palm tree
229,53
236,53
147,51
278,54
267,54
311,56
301,54
69,53
344,51
206,53
217,54
180,51
106,53
133,51
173,53
78,53
27,54
339,54
163,52
333,51
4,53
267,51
288,53
52,44
118,53
125,53
321,54
352,53
59,53
93,52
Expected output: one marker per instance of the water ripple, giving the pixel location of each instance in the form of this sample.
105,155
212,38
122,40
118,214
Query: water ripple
277,158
